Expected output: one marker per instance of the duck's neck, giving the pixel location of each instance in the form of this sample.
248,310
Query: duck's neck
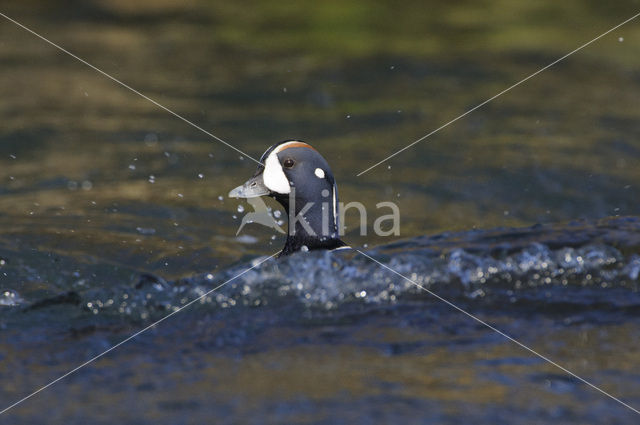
313,225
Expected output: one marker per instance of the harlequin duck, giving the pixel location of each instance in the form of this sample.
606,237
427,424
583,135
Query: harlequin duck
299,178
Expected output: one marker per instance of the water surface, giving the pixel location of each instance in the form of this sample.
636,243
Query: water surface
99,186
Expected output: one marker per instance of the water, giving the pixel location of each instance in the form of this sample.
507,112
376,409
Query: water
525,214
317,333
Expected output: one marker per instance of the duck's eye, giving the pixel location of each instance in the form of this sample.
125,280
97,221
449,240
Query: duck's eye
288,163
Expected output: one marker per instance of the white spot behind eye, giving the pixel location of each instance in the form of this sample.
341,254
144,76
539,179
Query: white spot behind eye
319,173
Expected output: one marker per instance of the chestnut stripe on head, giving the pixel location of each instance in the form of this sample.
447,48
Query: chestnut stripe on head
293,144
273,175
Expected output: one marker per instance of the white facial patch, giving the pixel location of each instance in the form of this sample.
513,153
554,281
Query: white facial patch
319,173
273,175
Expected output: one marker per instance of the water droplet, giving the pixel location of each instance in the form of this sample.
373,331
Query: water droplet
220,198
620,39
284,89
152,179
87,185
200,176
277,213
150,139
304,248
348,116
240,208
180,195
10,298
145,230
12,156
132,167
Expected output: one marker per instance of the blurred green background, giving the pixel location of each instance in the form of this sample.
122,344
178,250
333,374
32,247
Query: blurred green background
98,184
357,79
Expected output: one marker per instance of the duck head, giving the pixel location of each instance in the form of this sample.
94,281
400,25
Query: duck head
300,179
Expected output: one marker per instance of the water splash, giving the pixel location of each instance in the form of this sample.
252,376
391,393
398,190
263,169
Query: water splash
539,265
577,266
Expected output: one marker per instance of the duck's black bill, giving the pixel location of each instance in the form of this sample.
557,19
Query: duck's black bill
253,188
